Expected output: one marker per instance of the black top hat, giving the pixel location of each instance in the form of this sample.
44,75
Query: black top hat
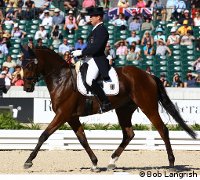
95,11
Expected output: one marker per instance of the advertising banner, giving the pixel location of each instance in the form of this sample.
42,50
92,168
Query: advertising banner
189,110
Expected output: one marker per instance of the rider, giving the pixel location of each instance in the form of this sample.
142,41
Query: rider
95,57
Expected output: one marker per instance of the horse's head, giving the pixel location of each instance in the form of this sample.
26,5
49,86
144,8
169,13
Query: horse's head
30,67
30,75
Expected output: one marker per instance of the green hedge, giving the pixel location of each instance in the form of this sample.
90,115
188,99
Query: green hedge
8,122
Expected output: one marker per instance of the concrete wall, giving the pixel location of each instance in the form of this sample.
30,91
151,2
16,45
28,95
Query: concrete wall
42,92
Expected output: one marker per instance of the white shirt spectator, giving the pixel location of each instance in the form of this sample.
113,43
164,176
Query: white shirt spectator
46,19
131,39
3,49
64,47
41,33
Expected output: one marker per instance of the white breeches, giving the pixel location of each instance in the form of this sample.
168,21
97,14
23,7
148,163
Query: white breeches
92,72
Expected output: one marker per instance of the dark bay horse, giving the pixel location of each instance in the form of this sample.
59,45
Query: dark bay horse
137,89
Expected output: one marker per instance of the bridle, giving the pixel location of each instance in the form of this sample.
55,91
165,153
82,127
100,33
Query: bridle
27,62
37,78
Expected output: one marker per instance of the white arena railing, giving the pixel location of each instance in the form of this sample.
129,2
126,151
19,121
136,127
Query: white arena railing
98,139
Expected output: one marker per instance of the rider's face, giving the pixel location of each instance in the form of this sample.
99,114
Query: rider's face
94,20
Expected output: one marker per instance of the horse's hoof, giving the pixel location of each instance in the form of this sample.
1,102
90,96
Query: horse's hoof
111,167
95,169
28,165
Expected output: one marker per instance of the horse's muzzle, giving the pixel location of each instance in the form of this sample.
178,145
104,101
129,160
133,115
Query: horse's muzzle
29,89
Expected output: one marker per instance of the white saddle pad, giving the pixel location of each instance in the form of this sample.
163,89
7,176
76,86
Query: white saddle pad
110,88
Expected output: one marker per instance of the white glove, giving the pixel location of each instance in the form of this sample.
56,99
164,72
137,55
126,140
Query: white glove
77,53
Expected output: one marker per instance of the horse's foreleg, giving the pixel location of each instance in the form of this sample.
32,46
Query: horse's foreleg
79,131
52,127
124,116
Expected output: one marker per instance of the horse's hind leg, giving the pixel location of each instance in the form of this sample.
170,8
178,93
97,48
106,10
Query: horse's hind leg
164,133
124,114
79,131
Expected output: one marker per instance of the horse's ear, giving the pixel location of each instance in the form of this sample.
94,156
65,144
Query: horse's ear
36,61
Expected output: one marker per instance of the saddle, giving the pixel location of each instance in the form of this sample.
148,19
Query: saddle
110,88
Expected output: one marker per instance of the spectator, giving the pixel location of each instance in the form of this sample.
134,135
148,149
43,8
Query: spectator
88,3
110,53
8,21
134,25
17,81
162,49
157,9
132,54
147,25
2,17
6,40
3,47
164,80
27,14
80,45
30,4
56,35
148,49
10,8
39,43
41,33
188,39
174,38
30,43
148,70
47,20
197,19
2,3
64,47
177,81
17,32
147,38
122,49
191,80
141,4
186,16
159,35
123,3
134,15
71,5
20,59
20,3
137,49
1,31
7,77
83,19
57,19
120,22
46,5
18,70
182,30
67,18
9,63
179,8
70,26
170,7
196,65
134,38
106,3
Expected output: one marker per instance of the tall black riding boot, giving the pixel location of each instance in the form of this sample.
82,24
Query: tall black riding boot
98,91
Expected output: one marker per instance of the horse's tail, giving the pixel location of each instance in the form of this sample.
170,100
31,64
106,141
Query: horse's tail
171,109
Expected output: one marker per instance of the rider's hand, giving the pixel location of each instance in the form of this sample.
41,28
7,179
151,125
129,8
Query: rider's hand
77,53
